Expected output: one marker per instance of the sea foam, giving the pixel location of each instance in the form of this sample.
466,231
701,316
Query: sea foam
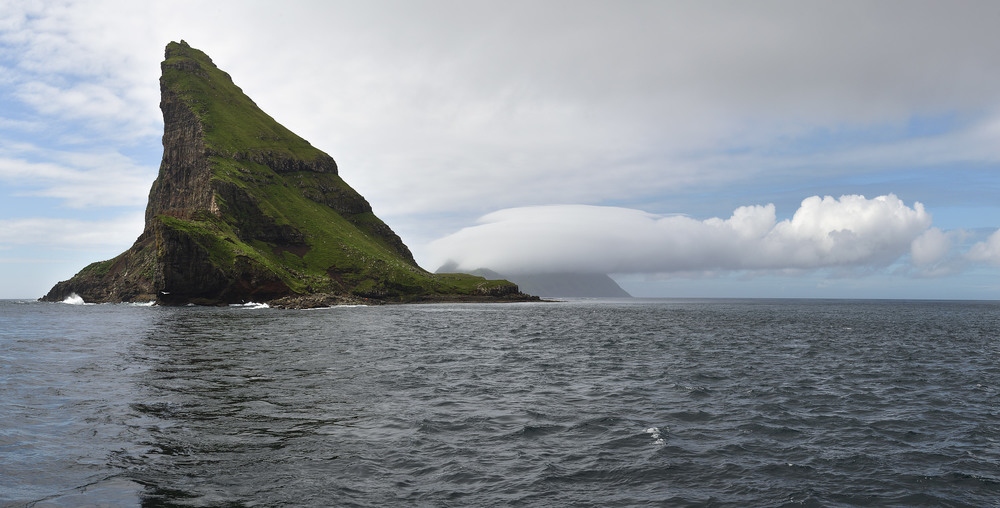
73,299
654,432
251,305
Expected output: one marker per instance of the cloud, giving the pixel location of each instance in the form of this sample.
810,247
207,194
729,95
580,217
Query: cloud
851,231
930,247
78,179
987,251
937,253
72,234
74,65
81,100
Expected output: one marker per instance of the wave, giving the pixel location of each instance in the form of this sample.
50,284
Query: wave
74,299
654,432
251,305
351,306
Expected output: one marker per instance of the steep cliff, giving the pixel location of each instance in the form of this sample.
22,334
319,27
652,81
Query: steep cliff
245,210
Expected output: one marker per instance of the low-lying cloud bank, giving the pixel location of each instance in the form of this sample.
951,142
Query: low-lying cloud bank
849,232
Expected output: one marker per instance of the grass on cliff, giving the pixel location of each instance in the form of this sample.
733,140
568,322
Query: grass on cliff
340,256
233,122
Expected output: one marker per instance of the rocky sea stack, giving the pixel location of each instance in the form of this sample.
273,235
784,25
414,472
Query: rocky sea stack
245,210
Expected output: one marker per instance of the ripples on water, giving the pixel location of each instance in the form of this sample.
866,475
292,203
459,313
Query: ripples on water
668,402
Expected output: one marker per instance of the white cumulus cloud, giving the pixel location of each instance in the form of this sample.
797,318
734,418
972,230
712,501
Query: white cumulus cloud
930,247
987,251
827,232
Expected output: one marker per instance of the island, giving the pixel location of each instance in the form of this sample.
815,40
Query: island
244,210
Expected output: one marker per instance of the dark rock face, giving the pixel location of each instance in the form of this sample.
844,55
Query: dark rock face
126,278
184,181
245,210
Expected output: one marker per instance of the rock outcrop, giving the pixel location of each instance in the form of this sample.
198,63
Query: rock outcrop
245,210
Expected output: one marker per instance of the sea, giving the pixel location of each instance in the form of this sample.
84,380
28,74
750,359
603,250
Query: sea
579,402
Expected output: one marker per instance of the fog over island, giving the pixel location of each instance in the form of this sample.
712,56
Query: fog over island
688,149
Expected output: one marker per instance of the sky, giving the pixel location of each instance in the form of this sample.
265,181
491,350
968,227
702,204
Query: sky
690,149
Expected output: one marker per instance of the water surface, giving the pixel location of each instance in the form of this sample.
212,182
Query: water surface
584,403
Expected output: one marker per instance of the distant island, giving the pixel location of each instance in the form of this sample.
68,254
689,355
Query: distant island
554,284
245,210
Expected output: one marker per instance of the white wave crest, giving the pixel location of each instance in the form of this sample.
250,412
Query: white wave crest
352,306
250,305
74,299
654,432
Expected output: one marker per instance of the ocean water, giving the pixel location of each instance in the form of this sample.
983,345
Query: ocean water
577,403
